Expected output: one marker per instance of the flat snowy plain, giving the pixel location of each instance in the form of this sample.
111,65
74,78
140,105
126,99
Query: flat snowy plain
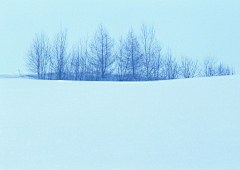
186,124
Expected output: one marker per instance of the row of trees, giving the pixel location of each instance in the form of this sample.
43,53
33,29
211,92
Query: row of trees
131,58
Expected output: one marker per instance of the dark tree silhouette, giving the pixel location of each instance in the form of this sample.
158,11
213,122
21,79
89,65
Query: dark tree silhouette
39,55
102,58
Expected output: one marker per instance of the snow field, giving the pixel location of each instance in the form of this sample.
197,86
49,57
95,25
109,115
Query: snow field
176,124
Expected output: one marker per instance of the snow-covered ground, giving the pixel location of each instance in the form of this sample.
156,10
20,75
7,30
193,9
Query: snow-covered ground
164,125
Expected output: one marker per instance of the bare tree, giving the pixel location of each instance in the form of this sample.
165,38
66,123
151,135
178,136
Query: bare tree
76,62
209,67
79,61
223,70
133,56
158,65
171,67
120,61
60,56
188,67
51,68
38,56
102,53
85,61
149,48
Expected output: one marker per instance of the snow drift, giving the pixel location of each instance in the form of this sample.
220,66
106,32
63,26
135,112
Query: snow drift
176,124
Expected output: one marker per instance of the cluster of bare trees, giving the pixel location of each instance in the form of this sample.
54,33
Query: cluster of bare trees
131,58
46,60
212,68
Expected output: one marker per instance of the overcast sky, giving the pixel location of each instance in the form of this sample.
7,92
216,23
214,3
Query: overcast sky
195,28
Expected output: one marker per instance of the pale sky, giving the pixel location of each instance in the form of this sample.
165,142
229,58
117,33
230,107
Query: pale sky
194,28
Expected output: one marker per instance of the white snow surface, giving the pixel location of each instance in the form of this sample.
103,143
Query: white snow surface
186,124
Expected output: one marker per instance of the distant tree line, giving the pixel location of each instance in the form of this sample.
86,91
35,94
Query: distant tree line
132,58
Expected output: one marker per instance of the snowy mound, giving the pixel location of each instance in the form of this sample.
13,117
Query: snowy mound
176,124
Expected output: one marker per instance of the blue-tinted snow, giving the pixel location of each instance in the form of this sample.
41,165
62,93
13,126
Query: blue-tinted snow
176,124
